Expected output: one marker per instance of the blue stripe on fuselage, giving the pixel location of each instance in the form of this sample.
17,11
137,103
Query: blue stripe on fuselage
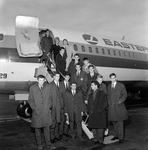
11,55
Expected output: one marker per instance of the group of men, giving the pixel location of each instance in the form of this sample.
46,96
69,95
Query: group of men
58,107
55,109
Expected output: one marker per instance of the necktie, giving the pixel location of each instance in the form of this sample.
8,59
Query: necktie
112,85
58,85
66,85
78,73
73,92
65,54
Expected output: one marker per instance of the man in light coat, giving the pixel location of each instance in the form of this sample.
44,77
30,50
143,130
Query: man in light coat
117,112
40,102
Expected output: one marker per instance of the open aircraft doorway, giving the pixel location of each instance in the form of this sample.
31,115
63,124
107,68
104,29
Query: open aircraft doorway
27,36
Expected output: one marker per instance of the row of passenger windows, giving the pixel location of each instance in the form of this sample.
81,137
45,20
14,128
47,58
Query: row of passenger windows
112,52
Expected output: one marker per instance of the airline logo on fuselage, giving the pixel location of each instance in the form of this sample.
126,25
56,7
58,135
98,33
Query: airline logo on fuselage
93,40
90,39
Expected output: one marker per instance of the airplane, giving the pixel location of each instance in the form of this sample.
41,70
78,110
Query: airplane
20,51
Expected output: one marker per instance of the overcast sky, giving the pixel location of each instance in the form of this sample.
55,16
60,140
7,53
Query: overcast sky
108,18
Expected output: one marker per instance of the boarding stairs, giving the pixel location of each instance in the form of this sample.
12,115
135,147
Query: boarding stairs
47,69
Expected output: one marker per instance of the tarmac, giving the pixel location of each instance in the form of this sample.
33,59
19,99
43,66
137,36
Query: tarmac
16,133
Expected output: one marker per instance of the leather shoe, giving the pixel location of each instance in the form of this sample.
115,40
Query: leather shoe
40,147
121,141
114,138
95,142
68,136
52,141
101,145
56,139
50,147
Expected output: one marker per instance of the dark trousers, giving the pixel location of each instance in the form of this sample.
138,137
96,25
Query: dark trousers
118,127
98,135
38,135
63,126
75,123
54,130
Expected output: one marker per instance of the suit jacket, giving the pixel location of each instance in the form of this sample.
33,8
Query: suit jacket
41,104
61,63
55,49
57,101
81,81
103,87
63,91
116,98
46,43
71,67
69,100
63,88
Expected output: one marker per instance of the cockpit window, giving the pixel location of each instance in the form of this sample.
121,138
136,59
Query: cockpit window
1,37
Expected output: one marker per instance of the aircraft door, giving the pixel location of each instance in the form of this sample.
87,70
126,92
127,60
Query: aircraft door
27,36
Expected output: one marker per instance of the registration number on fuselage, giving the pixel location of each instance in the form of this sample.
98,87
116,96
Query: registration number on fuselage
3,75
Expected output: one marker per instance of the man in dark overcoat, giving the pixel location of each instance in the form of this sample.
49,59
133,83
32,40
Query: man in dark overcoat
97,103
46,44
74,110
58,105
64,86
61,61
117,112
41,104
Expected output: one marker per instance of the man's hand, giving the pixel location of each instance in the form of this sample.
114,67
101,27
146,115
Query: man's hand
66,114
67,118
86,101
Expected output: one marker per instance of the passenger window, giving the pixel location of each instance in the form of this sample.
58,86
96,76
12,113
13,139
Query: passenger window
90,49
108,52
119,53
139,56
114,52
103,52
83,48
133,55
124,54
129,54
75,47
97,50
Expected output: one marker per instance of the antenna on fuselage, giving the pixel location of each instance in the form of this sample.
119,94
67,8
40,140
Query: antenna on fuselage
123,37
